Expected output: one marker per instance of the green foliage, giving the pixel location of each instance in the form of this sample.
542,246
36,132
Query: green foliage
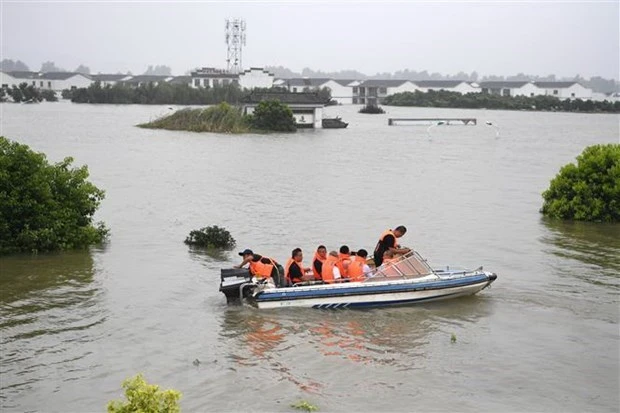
446,99
372,109
145,398
222,118
25,93
453,338
271,115
305,406
161,94
588,191
45,207
211,237
49,95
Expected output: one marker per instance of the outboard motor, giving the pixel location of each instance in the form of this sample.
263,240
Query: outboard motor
232,284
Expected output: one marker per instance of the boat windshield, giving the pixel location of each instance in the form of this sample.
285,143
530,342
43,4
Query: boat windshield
410,265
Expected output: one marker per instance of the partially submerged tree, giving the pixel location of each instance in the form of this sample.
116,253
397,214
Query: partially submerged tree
211,237
588,191
45,207
272,115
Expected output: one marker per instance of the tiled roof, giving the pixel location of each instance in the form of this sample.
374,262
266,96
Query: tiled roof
24,75
288,98
306,81
552,85
61,75
501,84
109,77
383,83
438,83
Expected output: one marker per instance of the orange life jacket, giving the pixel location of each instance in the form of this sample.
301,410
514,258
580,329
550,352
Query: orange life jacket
317,273
328,269
343,264
356,268
385,233
287,270
261,270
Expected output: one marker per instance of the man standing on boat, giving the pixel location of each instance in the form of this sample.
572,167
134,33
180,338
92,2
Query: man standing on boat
262,267
387,242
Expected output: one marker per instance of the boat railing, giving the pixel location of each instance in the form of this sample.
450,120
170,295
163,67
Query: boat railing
409,265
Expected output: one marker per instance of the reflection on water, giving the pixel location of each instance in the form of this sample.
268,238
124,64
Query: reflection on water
48,303
393,337
588,251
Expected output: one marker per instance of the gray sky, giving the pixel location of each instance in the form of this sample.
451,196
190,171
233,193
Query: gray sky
502,38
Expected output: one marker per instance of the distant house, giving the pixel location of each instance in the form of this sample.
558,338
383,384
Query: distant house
373,91
181,80
307,107
56,81
110,79
565,90
256,77
340,90
7,80
460,86
211,77
59,81
141,80
510,88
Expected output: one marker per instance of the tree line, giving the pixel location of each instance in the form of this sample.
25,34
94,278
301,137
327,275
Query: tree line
448,99
167,94
27,93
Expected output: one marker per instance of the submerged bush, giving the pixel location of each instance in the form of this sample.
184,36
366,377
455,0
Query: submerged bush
211,237
222,118
145,398
372,109
45,207
588,191
271,115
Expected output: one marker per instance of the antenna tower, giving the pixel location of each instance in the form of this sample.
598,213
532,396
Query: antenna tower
235,40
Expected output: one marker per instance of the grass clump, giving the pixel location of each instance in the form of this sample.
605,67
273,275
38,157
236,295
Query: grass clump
305,406
222,118
211,237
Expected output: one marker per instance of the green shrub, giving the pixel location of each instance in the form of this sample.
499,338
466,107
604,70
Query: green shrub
305,406
45,207
211,237
372,109
588,191
145,398
49,95
271,115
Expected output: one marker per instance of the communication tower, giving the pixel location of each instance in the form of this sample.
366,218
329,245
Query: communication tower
235,40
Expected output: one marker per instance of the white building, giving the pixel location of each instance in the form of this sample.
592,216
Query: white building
255,77
459,86
564,90
56,81
59,81
373,91
340,90
7,80
510,88
110,79
143,80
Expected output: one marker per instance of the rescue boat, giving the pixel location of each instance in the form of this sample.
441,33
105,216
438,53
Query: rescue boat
407,280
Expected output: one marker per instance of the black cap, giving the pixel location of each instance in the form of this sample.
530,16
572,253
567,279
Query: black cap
246,252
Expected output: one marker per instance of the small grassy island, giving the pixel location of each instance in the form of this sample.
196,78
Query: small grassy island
269,116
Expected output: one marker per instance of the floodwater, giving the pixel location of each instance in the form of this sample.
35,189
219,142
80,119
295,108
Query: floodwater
545,337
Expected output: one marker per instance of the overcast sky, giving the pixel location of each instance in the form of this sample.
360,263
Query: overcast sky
503,38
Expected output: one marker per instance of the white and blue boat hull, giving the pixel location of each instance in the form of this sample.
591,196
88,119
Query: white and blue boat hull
378,293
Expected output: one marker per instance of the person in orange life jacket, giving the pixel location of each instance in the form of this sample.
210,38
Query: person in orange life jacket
344,259
260,267
330,272
359,269
317,262
294,270
387,242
